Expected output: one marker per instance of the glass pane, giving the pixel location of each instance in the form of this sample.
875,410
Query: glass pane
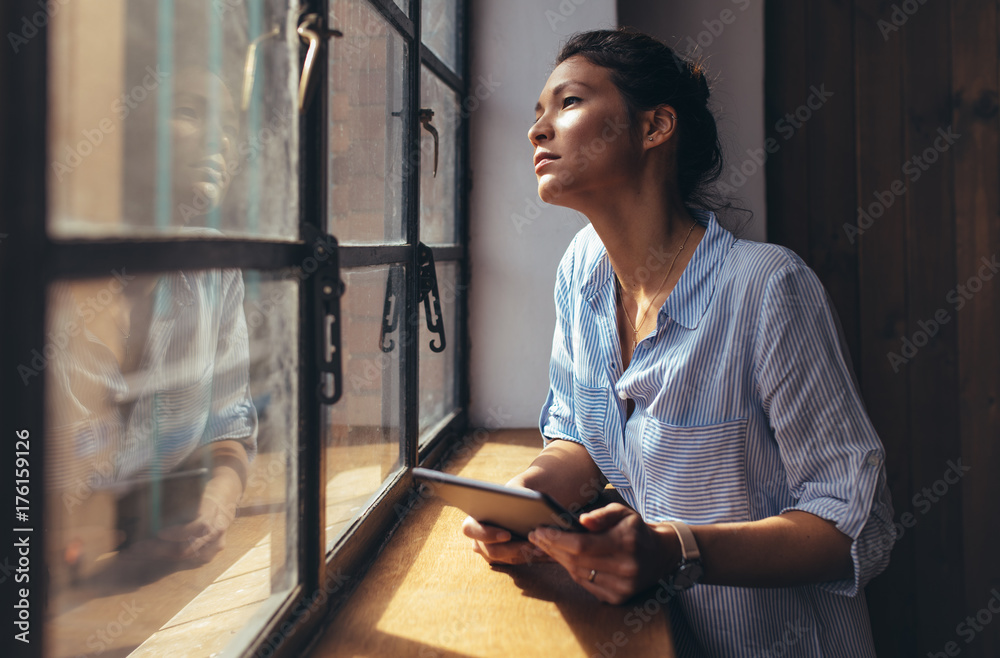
438,27
156,130
438,193
367,109
438,369
362,430
171,415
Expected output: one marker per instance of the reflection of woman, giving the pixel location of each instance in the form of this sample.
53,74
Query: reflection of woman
156,379
203,132
699,374
203,142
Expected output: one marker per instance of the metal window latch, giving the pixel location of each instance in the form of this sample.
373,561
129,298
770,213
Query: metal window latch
312,31
426,116
327,289
250,66
429,295
390,311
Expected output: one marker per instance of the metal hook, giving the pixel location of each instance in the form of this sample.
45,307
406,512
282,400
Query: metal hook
426,116
390,312
429,296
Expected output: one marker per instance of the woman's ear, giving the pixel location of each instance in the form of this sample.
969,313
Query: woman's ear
661,125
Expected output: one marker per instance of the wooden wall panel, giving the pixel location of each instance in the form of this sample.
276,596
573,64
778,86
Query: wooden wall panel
975,79
831,164
882,305
930,274
911,70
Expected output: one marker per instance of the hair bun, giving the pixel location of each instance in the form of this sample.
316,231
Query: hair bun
696,73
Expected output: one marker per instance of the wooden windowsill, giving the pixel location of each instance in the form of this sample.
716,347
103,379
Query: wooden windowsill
428,594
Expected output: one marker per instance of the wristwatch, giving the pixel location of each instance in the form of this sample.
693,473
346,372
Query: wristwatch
689,571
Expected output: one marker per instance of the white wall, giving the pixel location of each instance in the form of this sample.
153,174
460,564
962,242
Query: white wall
515,240
729,36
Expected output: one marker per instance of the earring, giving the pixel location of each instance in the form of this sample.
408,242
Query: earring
650,138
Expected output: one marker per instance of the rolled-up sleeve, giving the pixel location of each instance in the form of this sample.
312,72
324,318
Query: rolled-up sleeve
233,415
833,459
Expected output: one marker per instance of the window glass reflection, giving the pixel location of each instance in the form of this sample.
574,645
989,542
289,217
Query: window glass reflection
363,428
170,444
438,394
367,109
438,25
163,117
438,193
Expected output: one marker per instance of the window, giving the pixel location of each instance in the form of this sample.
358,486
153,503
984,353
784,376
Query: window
236,249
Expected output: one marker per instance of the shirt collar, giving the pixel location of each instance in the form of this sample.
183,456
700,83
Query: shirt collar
690,297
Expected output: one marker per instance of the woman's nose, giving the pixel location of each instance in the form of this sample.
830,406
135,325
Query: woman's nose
217,141
228,149
539,131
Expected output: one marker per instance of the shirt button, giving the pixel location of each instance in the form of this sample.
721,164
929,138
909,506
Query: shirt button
623,395
873,460
119,397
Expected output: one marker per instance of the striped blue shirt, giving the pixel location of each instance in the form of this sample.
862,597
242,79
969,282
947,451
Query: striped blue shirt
745,407
191,387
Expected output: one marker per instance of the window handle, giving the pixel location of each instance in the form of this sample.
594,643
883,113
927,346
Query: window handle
429,295
390,312
311,31
250,65
426,116
327,290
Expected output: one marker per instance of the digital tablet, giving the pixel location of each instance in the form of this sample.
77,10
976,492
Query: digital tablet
155,502
518,510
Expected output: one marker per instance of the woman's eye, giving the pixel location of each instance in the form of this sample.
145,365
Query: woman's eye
185,113
570,100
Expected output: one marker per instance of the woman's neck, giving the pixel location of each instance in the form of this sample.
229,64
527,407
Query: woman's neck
642,234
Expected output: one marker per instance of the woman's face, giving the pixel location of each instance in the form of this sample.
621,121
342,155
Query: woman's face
204,139
582,136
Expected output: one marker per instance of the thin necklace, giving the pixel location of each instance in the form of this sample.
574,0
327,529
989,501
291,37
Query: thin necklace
128,334
642,320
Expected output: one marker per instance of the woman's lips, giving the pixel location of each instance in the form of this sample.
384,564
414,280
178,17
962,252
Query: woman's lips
544,161
208,174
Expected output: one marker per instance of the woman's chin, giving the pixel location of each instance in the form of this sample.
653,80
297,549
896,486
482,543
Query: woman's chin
210,192
200,198
551,190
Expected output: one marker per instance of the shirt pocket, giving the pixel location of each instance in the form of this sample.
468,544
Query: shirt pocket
695,474
595,426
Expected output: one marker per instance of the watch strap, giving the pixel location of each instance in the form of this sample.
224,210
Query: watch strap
689,547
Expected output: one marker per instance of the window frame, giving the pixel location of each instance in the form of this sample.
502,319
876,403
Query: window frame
353,552
30,260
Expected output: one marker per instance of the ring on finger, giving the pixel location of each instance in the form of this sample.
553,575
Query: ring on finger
593,574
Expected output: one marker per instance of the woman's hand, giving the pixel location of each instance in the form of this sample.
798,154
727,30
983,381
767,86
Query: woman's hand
626,554
498,546
563,470
205,536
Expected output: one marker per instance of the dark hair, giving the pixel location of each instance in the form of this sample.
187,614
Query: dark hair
648,74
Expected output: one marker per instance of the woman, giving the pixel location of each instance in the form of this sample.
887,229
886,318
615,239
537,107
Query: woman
700,375
153,385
